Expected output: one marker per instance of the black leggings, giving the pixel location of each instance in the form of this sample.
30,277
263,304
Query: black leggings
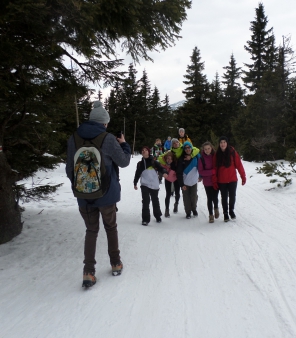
228,190
168,189
212,196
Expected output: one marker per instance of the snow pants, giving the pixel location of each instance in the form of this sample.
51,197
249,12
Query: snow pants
168,189
228,190
148,193
190,198
212,198
91,216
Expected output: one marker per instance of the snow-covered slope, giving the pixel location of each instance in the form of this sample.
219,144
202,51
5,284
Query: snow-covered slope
177,104
181,278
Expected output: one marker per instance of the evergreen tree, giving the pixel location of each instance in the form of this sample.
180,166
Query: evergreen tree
156,118
142,116
262,50
196,82
232,98
194,114
169,125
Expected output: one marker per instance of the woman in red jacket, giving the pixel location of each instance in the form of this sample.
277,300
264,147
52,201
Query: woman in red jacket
225,163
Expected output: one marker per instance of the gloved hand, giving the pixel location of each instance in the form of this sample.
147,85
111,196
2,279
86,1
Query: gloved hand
215,186
244,180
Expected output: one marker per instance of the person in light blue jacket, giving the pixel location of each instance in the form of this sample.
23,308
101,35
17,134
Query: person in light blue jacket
188,177
168,144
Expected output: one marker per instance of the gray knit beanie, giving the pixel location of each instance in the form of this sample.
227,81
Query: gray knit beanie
99,114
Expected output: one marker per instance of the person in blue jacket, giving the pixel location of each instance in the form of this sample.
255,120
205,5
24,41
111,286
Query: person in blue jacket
116,153
168,144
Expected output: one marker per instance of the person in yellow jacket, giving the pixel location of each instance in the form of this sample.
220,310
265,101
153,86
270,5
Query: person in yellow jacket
183,137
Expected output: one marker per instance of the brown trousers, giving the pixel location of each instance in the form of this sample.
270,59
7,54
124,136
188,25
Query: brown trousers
190,198
91,216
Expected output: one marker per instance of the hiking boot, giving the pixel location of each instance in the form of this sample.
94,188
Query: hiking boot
167,213
216,211
145,223
232,214
116,269
188,216
211,219
158,220
226,217
195,213
89,279
175,208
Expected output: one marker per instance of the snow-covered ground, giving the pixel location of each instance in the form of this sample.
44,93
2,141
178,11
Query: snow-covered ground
181,278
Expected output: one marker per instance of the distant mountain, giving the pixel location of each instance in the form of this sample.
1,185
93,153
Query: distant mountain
177,104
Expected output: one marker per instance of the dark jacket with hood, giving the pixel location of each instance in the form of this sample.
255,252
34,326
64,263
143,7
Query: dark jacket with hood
115,155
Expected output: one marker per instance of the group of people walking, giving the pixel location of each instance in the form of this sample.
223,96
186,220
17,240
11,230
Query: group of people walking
180,164
182,167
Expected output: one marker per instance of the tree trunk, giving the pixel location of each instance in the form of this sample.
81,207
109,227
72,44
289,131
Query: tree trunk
10,215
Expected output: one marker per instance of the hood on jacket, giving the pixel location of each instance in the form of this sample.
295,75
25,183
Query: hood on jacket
90,129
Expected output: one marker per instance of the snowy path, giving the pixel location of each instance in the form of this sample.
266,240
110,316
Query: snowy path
181,278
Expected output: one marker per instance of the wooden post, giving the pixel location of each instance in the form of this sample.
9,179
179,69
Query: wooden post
134,139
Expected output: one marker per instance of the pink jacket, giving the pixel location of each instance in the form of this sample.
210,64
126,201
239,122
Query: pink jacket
206,171
172,176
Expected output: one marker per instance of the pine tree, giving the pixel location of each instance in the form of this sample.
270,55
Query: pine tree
196,81
194,114
262,50
169,125
232,98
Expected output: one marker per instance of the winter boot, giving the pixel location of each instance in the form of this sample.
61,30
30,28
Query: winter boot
167,213
158,219
145,223
89,279
217,214
232,214
195,213
116,269
226,217
175,208
211,219
188,216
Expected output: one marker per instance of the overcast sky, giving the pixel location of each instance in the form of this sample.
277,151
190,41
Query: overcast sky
218,28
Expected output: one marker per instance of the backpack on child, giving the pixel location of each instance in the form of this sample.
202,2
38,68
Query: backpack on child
91,180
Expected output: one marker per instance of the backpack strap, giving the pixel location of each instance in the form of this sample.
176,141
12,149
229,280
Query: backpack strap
97,141
203,162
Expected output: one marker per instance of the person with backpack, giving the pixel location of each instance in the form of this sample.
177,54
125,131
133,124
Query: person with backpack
92,158
205,169
187,174
226,162
146,171
171,167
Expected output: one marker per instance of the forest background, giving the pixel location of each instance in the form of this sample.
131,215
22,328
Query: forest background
43,98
